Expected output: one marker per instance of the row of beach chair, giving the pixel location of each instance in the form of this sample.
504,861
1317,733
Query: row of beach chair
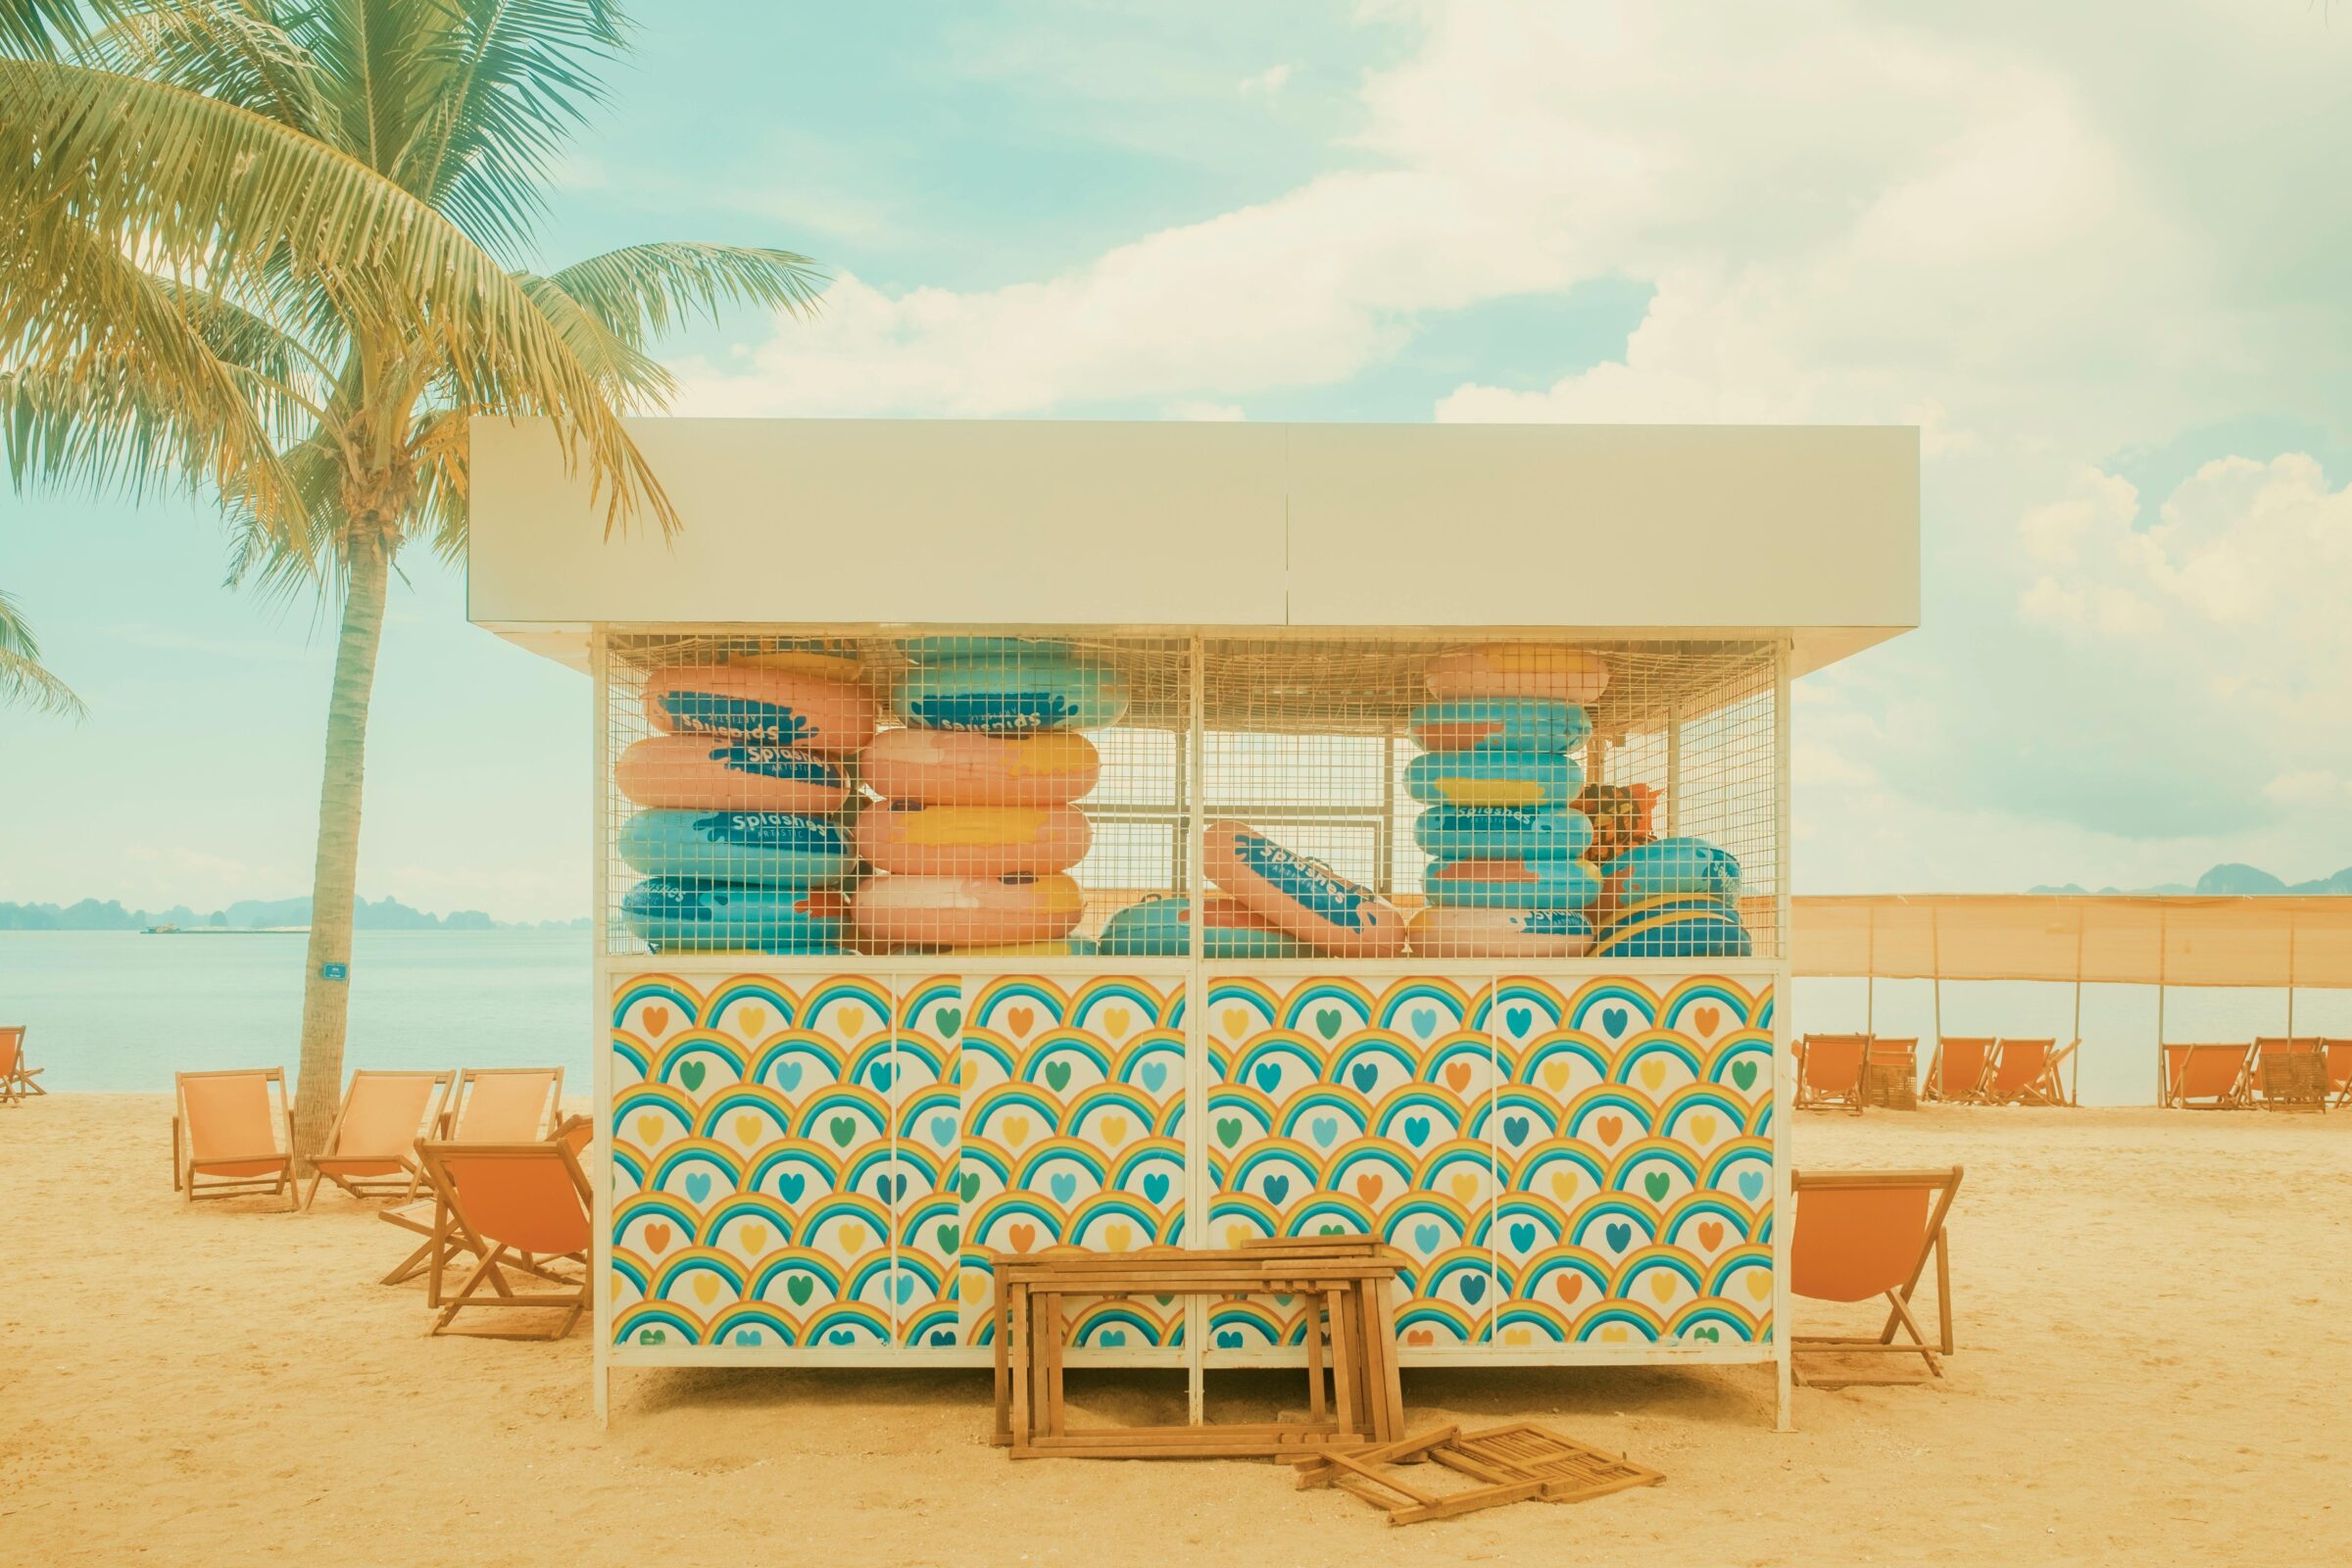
479,1162
1833,1071
2231,1076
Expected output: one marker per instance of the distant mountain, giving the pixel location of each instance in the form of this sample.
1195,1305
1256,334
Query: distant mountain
383,915
2230,879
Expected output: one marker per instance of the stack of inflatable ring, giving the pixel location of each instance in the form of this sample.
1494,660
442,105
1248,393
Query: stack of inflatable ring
1675,898
1507,874
738,835
978,825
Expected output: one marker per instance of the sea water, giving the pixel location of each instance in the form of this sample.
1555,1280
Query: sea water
123,1010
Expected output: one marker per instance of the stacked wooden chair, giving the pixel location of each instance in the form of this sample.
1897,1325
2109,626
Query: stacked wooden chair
2291,1074
1353,1392
1521,1463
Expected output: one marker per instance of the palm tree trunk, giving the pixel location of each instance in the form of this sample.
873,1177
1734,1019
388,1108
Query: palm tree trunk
335,880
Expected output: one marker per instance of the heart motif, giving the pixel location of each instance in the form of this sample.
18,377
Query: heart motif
1555,1073
1662,1283
1063,1186
841,1129
1324,1129
1564,1185
1236,1234
850,1019
1568,1285
1229,1339
1423,1020
1111,1338
1278,1187
746,1129
890,1189
1465,1186
1518,1020
754,1237
1425,1238
948,1235
1517,1337
883,1073
943,1337
903,1287
752,1020
692,1074
1114,1021
1655,1184
746,1337
1709,1333
1154,1074
1652,1072
1327,1021
1619,1237
1616,1333
851,1236
1016,1130
1514,1128
649,1128
1706,1018
788,1076
1367,1186
1751,1185
656,1020
1156,1186
1268,1074
1057,1076
1114,1130
1702,1128
797,1287
792,1184
1419,1337
1020,1020
1759,1283
1022,1236
1364,1074
1523,1237
942,1130
1458,1076
1323,1230
1474,1288
1710,1234
706,1289
698,1185
656,1237
947,1021
650,1337
969,1186
1610,1128
1235,1021
1744,1073
1119,1238
839,1336
1416,1130
1229,1130
1613,1020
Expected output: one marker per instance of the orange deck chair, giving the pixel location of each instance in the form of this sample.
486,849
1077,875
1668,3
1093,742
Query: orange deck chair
1860,1235
1829,1070
15,1079
224,1134
489,1106
371,1149
2028,1072
2207,1077
2340,1069
510,1203
1958,1070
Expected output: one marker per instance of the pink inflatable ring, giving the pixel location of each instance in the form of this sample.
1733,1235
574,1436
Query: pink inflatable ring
720,773
967,912
1519,669
772,707
964,768
1302,897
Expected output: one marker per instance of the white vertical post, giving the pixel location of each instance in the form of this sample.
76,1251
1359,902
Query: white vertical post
1198,1188
600,1041
2290,976
2075,1061
1674,769
1870,977
1936,970
2163,957
1783,1071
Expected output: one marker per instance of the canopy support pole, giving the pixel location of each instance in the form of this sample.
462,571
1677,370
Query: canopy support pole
2290,977
1935,967
1870,980
2074,1057
2162,945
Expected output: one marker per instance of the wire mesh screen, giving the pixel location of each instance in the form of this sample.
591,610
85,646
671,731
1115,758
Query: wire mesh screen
803,793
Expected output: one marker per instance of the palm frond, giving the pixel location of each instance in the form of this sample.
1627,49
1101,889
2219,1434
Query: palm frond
641,290
637,379
222,49
51,29
22,678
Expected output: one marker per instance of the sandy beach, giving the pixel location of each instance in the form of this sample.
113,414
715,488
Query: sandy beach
2152,1354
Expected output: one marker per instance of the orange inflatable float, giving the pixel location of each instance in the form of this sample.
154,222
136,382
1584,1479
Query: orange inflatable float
967,912
1519,669
965,767
770,706
1303,896
720,773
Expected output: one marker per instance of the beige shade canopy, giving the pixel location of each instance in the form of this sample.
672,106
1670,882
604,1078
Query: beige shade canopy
2121,940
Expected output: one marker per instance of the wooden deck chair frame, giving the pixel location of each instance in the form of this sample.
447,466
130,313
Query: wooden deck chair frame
2045,1087
427,1216
2340,1069
2234,1097
16,1079
2262,1087
1934,1246
358,1174
486,1285
189,1175
1809,1097
1974,1093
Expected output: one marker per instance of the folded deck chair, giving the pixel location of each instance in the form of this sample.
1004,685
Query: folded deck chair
2026,1072
15,1079
488,1106
1829,1070
371,1149
224,1134
2207,1077
1862,1235
2289,1074
2340,1069
1957,1072
508,1202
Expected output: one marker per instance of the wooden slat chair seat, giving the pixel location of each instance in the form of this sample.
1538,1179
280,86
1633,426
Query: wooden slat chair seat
508,1202
1861,1236
1956,1075
2027,1072
371,1149
2289,1073
2207,1077
225,1134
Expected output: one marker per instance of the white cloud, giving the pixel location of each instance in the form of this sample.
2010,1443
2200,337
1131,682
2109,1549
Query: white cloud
1272,79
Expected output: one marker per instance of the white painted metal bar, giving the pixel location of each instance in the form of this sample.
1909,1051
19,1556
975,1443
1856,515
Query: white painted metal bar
600,1037
1784,1084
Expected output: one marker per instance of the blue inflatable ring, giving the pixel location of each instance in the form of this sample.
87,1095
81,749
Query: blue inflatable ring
767,849
1508,724
1160,928
1665,867
1492,776
676,917
1694,928
1502,833
1511,884
1011,696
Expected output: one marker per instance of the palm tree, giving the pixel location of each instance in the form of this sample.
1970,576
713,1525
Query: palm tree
22,677
265,247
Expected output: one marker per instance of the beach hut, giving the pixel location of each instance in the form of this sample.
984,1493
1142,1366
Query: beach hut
1032,835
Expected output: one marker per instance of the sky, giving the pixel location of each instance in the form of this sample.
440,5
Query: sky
2096,252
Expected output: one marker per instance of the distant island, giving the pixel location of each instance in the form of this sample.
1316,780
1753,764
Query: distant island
2230,880
381,915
